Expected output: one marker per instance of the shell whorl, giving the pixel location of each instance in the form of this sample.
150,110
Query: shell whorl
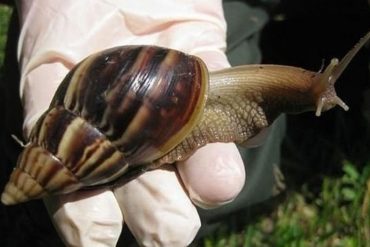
117,109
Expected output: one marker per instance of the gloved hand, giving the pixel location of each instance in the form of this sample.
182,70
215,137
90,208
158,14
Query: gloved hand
157,206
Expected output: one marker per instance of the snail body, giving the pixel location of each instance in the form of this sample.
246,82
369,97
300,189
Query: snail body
129,109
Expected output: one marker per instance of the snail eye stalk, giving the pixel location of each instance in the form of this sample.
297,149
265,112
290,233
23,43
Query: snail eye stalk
328,99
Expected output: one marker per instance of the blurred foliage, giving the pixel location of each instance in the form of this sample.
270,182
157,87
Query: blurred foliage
5,13
338,216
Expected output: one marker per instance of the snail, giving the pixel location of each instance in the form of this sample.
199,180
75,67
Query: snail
129,109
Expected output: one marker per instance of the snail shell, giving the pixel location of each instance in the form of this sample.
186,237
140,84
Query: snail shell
122,107
128,109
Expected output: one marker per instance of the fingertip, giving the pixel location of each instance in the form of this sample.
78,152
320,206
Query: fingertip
86,218
157,210
214,175
214,58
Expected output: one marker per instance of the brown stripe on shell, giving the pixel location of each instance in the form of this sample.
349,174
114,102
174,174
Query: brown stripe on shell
38,173
47,170
111,166
82,149
92,79
167,106
50,128
198,99
27,184
73,91
20,188
138,96
125,98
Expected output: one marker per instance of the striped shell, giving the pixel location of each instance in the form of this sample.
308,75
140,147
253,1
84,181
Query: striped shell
116,110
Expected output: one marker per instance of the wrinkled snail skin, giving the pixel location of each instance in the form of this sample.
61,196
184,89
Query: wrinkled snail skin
134,108
244,100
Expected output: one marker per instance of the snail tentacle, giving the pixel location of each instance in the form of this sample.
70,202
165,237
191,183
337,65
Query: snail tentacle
328,98
342,65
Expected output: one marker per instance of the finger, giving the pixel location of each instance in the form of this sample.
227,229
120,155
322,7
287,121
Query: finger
157,210
213,175
86,218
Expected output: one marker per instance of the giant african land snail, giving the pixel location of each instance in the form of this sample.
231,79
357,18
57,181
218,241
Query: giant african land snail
128,109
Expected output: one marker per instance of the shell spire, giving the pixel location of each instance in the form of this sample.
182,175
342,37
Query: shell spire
31,178
20,188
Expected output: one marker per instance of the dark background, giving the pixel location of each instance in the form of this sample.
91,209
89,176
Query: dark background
300,33
315,31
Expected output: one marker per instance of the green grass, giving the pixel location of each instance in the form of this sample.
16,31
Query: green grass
5,13
338,216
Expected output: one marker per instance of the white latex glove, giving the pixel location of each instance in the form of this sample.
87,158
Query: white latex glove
156,206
